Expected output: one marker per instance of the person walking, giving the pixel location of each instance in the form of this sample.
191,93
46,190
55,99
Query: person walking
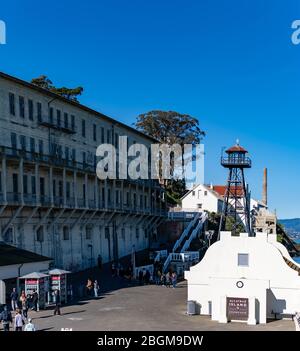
5,318
57,302
168,278
19,321
24,304
141,277
29,326
35,300
174,279
96,288
89,287
14,299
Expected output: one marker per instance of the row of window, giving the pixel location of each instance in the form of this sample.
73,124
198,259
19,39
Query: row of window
55,118
57,189
40,237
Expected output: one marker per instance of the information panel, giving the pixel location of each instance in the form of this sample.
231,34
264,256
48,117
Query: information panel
237,308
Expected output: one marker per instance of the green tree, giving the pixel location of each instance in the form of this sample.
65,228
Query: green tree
170,127
68,93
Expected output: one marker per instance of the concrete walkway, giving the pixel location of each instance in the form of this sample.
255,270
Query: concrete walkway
146,308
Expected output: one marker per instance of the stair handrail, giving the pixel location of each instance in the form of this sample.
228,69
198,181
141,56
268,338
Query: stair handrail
185,232
194,233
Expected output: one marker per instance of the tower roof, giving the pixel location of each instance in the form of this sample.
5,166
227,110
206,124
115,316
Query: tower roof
236,148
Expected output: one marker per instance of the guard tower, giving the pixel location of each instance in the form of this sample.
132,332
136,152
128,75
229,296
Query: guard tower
236,197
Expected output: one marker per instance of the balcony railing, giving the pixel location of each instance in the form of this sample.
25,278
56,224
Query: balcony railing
244,162
47,122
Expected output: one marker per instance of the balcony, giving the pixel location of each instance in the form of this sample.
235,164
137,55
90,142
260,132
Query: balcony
236,161
47,122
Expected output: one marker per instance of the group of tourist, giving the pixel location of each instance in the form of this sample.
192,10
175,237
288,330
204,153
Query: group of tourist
169,279
92,288
19,308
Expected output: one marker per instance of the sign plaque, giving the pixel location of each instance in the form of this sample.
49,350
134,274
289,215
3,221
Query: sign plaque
237,308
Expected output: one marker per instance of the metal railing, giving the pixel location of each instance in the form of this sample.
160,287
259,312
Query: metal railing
236,161
186,232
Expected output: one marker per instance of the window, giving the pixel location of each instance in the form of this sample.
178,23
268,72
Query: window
30,110
23,142
88,233
205,193
108,136
32,145
117,140
68,190
84,158
73,154
13,138
84,192
94,132
117,196
102,135
15,183
42,186
141,201
127,198
51,115
60,188
25,184
33,186
123,233
106,232
66,233
134,199
22,106
12,109
72,122
243,259
66,153
40,234
66,120
58,118
199,205
41,147
39,111
83,128
193,193
137,233
54,187
108,196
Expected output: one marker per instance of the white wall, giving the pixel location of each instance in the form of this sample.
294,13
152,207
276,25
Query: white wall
266,275
202,195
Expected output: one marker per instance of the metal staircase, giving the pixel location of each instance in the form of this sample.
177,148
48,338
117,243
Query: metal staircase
180,251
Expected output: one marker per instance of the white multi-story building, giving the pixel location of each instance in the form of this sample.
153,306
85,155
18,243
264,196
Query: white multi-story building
52,202
210,198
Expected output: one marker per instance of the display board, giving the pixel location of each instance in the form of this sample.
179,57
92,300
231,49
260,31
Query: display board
237,308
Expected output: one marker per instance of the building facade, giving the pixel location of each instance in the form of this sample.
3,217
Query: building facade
52,202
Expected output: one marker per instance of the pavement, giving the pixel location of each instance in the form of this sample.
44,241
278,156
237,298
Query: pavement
127,306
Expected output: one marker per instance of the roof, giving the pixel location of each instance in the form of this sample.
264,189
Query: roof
74,103
34,275
236,148
218,190
221,189
58,272
10,255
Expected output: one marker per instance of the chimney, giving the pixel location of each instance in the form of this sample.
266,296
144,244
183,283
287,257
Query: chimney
265,187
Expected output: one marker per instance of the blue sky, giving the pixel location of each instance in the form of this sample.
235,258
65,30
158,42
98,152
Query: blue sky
229,63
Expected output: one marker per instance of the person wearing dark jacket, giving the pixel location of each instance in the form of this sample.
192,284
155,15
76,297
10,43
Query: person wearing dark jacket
57,302
6,318
35,300
14,299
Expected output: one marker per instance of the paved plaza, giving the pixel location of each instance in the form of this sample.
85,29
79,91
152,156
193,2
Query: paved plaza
135,308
